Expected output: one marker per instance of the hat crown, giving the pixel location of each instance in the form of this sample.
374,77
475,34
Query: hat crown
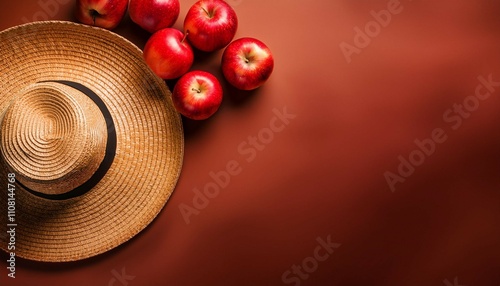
53,137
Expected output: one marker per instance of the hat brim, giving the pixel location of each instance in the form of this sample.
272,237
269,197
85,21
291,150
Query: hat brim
149,141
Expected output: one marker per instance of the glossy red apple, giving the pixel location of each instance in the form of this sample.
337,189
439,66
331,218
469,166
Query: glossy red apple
197,95
154,15
210,25
247,63
168,53
101,13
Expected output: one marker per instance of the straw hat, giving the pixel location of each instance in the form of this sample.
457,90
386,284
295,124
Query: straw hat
91,136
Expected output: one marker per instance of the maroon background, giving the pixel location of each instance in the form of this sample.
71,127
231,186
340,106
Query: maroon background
323,174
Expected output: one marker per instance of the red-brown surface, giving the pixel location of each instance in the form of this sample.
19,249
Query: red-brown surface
322,176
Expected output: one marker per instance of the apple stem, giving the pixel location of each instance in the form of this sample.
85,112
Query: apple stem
196,89
94,14
210,15
185,36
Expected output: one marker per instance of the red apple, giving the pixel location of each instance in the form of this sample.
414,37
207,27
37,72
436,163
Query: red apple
168,53
210,25
197,95
101,13
154,15
247,63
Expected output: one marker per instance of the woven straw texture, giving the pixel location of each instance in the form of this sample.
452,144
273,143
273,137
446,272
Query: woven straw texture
149,139
63,132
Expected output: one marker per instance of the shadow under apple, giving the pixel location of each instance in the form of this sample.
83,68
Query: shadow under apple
195,128
239,98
